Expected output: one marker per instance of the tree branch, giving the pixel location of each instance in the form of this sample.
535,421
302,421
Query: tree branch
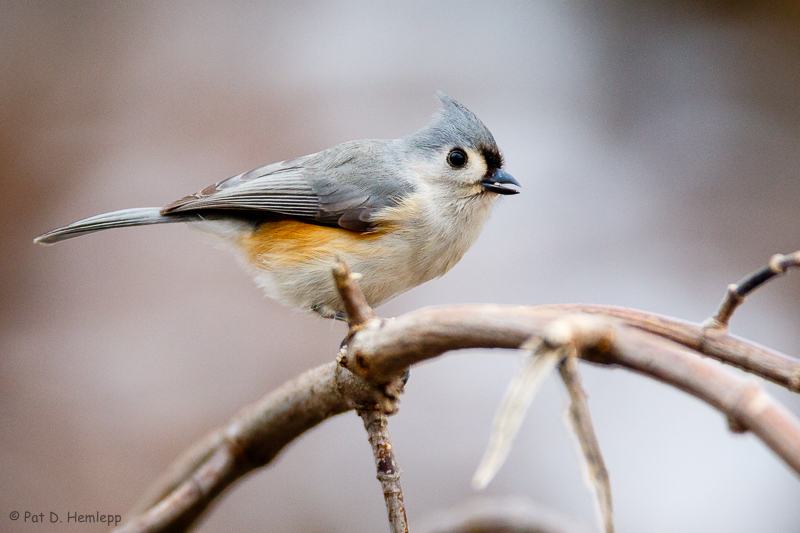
388,471
541,362
359,313
746,405
736,293
392,345
581,422
563,341
251,440
439,329
358,310
379,352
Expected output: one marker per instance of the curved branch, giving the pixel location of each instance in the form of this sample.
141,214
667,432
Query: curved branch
430,331
412,338
715,343
251,440
745,403
382,350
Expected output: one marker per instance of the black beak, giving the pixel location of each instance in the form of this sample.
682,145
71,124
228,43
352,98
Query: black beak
495,182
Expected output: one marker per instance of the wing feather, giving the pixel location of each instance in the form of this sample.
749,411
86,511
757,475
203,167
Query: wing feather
278,188
343,187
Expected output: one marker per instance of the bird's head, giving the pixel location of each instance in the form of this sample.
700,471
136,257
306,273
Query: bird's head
455,149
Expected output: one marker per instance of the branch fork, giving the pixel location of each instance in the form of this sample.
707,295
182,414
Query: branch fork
360,316
562,342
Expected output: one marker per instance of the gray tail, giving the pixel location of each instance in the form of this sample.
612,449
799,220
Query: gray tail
140,216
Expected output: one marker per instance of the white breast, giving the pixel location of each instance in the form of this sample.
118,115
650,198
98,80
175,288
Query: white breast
422,241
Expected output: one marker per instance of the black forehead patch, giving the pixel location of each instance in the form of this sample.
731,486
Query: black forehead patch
492,157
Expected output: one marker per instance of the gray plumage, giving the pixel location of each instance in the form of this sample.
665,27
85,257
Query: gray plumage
404,211
343,186
453,125
346,186
138,216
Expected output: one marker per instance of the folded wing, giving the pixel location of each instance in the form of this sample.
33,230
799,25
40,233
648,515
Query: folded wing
334,191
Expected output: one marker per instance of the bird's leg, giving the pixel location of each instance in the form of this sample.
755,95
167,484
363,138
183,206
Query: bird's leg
327,312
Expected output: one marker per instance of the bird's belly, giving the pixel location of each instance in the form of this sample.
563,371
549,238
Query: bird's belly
292,263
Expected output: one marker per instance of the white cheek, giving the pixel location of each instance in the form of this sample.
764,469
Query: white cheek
439,169
477,166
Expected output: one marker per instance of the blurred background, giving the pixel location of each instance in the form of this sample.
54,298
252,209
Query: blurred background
657,144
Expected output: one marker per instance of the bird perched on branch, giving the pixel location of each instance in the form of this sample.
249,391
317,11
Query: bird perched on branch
400,212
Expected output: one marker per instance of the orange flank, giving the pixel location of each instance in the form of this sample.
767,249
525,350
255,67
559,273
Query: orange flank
287,243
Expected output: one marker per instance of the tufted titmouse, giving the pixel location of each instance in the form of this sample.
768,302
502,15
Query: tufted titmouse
400,211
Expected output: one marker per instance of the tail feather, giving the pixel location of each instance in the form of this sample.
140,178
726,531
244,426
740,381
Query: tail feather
140,216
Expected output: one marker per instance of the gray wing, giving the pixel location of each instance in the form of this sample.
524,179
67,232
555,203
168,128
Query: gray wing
345,186
278,188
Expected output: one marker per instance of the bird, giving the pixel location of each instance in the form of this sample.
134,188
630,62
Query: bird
399,212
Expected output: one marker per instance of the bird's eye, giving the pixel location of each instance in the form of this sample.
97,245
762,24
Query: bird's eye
457,158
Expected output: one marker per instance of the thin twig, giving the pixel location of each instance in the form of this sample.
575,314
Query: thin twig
355,304
388,472
736,293
558,347
541,362
581,422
